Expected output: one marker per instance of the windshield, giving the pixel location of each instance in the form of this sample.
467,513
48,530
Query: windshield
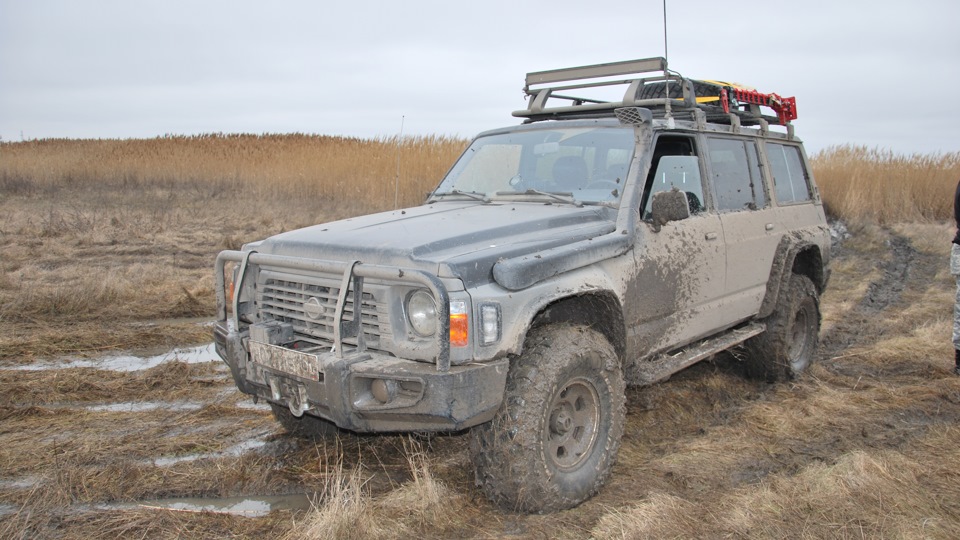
588,163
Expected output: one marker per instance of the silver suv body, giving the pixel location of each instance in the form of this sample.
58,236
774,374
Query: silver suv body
597,245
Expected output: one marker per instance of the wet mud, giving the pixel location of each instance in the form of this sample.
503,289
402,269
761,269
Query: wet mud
902,266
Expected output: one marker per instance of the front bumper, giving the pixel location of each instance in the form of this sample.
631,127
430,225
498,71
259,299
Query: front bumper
367,391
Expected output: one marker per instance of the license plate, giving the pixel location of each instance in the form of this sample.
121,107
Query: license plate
285,360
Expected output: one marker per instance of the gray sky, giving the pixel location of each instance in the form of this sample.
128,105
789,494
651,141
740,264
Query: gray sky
863,72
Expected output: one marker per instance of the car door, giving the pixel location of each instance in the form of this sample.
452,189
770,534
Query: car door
750,227
681,264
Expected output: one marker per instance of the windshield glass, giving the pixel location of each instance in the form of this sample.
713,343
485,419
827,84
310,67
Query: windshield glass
589,163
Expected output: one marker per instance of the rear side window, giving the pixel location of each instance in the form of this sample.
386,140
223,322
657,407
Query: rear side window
789,176
736,176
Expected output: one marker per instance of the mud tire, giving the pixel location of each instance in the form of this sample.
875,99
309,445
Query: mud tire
789,345
305,427
565,397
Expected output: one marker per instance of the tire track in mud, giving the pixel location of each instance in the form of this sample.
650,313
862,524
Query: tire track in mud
897,273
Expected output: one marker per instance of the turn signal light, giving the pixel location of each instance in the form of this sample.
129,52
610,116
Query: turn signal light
459,325
228,282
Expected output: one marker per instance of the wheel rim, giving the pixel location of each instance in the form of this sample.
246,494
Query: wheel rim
571,429
800,339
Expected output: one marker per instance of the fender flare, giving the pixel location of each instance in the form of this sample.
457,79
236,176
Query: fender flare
783,266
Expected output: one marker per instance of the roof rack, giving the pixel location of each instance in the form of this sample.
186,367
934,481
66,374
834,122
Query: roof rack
667,94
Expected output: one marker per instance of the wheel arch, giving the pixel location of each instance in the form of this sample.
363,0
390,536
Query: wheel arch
600,310
795,255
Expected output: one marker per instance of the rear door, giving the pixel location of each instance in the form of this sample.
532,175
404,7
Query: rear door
750,227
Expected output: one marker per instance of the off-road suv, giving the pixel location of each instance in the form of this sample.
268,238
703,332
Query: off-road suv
600,243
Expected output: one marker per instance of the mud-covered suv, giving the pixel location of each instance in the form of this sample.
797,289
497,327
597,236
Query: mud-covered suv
600,243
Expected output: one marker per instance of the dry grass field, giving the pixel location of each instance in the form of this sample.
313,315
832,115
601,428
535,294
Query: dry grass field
108,248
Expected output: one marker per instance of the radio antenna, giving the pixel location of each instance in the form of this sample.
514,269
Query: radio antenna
396,183
665,55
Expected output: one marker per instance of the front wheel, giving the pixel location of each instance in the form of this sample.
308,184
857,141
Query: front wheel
556,436
789,345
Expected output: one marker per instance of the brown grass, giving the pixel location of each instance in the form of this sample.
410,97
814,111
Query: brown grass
421,506
100,237
361,173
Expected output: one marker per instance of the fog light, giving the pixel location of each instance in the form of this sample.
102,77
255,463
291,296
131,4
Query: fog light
384,390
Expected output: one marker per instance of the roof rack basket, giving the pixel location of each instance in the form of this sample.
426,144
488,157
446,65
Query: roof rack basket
666,93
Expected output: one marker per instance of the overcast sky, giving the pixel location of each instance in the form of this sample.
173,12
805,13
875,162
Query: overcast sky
875,73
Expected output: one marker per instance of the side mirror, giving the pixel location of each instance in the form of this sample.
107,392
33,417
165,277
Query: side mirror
669,206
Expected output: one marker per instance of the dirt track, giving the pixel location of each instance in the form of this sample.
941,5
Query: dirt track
92,452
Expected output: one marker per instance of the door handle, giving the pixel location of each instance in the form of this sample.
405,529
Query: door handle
711,236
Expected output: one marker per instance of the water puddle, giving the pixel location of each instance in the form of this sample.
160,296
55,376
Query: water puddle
249,405
127,363
25,482
146,406
238,506
236,450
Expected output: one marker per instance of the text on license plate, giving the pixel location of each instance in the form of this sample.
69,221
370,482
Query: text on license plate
289,361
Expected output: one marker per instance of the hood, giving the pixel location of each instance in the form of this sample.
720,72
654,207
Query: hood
451,239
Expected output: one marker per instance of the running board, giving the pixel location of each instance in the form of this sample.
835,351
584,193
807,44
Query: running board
665,365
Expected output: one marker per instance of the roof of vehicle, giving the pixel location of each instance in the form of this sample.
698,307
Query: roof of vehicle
665,93
611,119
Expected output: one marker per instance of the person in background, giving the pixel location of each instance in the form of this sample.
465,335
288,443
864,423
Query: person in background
955,270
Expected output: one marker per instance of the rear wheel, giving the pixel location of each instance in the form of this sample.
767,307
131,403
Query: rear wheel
789,345
556,436
306,426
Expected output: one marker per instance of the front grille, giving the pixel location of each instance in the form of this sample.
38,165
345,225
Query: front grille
284,300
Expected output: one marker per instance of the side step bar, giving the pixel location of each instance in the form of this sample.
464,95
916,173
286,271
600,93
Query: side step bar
665,365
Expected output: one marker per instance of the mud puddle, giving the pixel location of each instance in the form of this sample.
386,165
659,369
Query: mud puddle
257,443
255,506
128,363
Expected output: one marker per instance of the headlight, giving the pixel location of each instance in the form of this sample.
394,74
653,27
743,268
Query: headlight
422,313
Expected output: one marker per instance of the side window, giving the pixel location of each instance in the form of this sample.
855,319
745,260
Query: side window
675,165
736,174
789,177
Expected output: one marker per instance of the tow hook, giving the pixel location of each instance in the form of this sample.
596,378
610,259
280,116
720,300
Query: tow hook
297,402
295,395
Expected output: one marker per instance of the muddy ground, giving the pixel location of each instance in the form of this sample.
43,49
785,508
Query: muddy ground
160,444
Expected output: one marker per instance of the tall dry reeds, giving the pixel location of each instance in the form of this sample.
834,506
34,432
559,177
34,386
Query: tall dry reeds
362,173
864,185
858,184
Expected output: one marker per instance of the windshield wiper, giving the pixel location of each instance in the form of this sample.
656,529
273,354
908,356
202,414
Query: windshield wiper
562,197
482,197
